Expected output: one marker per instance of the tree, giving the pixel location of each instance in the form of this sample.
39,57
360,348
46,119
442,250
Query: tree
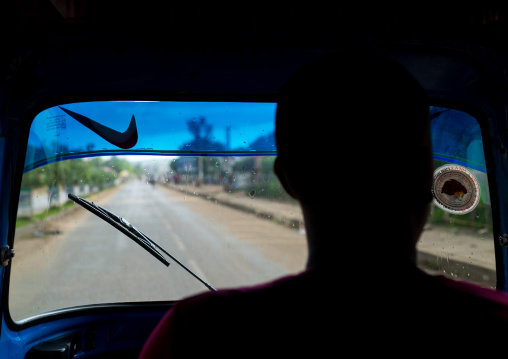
202,133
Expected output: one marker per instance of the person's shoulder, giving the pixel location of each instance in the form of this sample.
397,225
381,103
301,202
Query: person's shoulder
286,282
473,289
477,298
277,289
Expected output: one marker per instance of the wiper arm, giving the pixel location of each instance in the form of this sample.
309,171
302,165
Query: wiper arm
132,232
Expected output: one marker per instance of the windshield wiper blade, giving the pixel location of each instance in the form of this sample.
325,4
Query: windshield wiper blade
122,225
132,232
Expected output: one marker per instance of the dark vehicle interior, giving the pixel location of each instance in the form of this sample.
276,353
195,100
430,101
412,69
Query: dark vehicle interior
64,63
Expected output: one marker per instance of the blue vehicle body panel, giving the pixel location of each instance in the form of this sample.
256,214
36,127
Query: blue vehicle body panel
115,332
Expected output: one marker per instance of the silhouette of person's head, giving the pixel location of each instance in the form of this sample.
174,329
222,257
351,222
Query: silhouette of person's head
352,134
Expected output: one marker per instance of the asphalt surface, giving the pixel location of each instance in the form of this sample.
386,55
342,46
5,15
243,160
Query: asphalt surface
456,252
77,259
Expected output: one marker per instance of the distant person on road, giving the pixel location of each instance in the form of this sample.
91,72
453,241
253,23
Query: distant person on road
364,116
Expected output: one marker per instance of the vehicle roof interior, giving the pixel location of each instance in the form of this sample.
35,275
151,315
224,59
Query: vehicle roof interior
195,50
265,23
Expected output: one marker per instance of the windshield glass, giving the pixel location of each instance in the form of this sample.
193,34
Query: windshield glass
197,179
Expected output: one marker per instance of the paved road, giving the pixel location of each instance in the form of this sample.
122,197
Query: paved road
89,261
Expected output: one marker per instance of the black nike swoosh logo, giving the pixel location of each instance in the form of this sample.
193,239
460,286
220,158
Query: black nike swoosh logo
125,140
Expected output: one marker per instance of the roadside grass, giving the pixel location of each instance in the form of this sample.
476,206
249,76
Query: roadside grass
480,218
23,221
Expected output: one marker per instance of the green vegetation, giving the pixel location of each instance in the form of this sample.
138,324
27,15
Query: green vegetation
26,220
252,175
264,183
94,172
479,218
91,171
